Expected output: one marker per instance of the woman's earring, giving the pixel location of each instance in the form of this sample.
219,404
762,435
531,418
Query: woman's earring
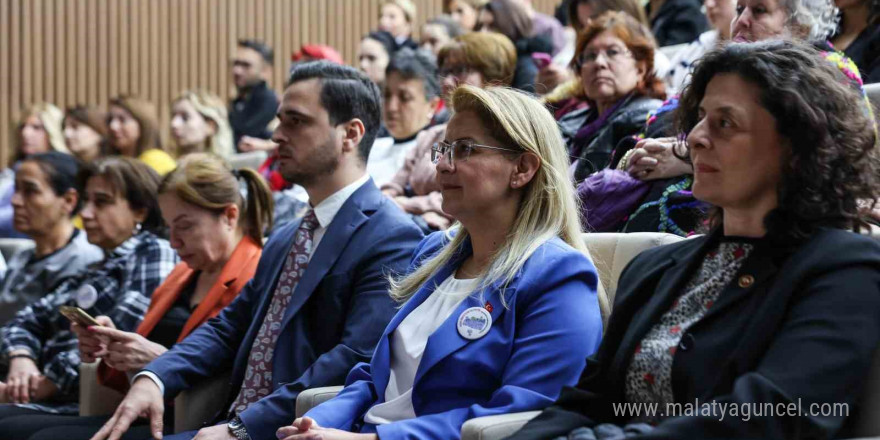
137,228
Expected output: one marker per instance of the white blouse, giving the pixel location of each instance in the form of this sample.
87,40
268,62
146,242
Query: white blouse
408,343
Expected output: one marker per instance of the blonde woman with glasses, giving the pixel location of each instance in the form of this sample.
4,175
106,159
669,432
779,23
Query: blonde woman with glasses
497,314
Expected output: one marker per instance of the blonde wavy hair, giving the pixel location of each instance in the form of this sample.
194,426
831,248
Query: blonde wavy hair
212,108
51,117
549,207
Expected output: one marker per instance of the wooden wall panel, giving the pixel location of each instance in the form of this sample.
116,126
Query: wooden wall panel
73,52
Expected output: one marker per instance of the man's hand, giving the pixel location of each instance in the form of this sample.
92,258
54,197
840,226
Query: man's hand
219,432
654,159
247,143
22,372
142,400
126,351
305,428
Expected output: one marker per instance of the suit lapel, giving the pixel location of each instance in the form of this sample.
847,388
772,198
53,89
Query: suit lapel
349,218
381,364
447,340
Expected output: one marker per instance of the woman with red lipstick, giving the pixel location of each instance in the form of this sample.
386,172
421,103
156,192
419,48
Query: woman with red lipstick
779,304
615,62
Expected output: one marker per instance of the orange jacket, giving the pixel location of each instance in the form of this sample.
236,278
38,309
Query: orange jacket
236,273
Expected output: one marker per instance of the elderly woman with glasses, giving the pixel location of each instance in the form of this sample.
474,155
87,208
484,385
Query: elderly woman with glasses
615,61
497,314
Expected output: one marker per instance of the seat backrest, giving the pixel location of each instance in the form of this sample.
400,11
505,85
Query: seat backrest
873,91
199,404
251,159
611,252
12,246
95,399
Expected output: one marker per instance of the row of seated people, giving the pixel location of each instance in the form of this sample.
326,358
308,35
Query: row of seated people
502,312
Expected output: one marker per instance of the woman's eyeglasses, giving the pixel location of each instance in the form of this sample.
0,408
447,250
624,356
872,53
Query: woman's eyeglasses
459,150
612,54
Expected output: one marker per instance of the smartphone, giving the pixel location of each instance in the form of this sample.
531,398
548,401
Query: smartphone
78,315
541,59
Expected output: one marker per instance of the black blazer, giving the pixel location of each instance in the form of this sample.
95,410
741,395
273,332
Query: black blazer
797,322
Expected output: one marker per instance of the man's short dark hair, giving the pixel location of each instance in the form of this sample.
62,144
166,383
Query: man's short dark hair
346,94
416,64
261,48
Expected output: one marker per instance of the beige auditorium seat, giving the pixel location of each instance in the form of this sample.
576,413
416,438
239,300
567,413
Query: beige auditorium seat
95,399
12,246
313,397
873,91
197,406
611,252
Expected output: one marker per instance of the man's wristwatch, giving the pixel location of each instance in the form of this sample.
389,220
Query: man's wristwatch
237,429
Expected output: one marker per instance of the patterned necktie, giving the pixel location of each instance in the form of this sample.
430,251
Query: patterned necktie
258,376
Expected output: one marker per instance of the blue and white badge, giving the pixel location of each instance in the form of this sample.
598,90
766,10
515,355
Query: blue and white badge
474,323
86,296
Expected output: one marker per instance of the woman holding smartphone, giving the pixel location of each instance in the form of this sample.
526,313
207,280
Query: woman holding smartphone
121,216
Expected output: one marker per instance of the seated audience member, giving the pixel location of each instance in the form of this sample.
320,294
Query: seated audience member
253,109
85,133
720,14
199,123
319,299
809,21
374,54
121,216
676,21
45,200
780,277
134,132
217,233
509,18
858,36
478,59
497,314
37,130
465,12
437,32
397,17
616,64
543,24
411,96
580,14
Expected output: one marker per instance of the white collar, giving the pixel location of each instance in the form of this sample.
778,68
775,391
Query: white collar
329,207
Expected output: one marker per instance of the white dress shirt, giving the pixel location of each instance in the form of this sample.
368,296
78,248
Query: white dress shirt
408,343
325,212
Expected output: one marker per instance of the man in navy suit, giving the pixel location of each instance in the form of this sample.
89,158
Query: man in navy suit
319,300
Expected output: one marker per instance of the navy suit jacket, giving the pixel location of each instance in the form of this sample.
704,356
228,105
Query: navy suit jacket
336,315
537,344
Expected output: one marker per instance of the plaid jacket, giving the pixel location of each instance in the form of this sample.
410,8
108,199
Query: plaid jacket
121,286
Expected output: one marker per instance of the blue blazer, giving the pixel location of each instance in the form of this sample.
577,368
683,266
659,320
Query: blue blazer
536,345
334,319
